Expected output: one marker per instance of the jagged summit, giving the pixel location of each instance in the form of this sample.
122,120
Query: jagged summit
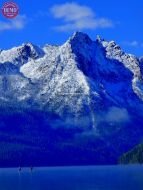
21,54
83,37
32,50
99,38
79,37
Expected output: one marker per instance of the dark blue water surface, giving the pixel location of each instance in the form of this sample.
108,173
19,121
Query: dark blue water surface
73,178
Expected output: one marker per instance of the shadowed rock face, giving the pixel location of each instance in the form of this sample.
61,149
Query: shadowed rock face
84,96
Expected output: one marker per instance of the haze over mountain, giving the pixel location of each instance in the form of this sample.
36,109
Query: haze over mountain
78,103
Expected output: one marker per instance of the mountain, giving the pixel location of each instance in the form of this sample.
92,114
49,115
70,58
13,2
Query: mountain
133,156
78,103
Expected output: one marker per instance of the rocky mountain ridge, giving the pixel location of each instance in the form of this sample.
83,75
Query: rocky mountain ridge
90,90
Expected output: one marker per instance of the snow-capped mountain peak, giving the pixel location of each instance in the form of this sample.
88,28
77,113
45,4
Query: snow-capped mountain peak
85,96
76,78
21,54
113,51
79,37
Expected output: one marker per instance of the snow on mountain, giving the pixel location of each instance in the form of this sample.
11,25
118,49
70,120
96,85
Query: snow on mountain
20,55
80,78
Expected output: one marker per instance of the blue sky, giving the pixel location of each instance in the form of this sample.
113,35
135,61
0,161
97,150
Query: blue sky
52,22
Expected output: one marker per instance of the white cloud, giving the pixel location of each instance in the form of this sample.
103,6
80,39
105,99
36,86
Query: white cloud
132,43
78,17
71,11
14,24
116,114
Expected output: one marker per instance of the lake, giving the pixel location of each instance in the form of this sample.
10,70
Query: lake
73,178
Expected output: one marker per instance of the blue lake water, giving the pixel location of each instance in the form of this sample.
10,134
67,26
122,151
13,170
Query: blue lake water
73,178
